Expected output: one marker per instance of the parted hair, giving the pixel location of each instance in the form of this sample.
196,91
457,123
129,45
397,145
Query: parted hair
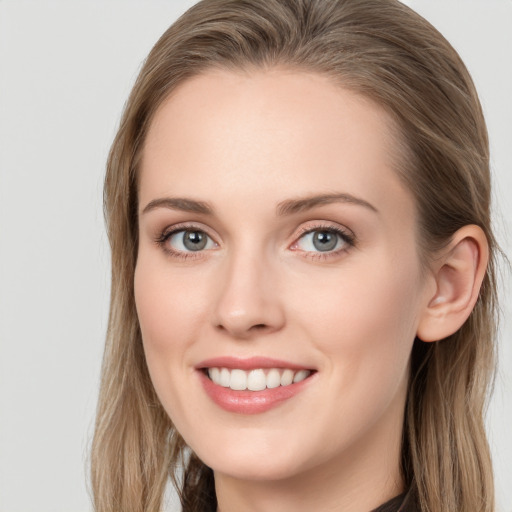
386,52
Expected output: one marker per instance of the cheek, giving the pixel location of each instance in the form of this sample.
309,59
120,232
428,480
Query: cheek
169,309
155,317
365,320
167,304
363,325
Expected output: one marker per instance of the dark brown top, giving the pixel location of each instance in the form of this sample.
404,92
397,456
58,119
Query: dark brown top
403,503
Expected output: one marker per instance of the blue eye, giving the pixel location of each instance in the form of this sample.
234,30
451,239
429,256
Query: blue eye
190,240
323,240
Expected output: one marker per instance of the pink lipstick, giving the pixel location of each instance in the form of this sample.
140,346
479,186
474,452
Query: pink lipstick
253,385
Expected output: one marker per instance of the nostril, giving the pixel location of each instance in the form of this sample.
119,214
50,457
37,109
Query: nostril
239,332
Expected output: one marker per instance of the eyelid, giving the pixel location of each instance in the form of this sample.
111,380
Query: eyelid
319,225
346,234
186,226
162,240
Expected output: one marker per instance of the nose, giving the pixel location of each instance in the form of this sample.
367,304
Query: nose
249,302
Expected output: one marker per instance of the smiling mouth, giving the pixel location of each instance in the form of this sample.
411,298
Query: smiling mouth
255,380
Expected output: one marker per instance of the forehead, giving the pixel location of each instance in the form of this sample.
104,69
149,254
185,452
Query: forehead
272,134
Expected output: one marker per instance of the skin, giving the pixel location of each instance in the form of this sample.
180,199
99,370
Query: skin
244,143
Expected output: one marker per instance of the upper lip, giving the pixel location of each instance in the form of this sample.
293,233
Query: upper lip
250,363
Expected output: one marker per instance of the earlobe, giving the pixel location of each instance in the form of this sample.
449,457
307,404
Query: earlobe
458,276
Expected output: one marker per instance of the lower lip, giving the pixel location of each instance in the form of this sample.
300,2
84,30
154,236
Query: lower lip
250,402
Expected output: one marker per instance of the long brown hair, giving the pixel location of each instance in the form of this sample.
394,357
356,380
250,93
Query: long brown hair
383,50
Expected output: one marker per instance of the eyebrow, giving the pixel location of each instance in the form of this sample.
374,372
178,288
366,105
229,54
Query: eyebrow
292,206
179,203
287,207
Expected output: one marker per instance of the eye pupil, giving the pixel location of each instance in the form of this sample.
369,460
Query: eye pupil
194,240
325,240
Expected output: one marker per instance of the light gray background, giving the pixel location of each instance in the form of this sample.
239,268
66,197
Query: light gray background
66,69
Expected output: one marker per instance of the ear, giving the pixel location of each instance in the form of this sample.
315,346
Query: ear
458,274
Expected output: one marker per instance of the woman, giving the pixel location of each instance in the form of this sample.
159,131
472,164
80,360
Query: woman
303,292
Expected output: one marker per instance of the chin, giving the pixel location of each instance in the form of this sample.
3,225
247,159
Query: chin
255,469
270,458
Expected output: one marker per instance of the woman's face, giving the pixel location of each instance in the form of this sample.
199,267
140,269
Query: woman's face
277,244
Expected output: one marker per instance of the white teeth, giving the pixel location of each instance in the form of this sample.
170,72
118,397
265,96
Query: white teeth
300,375
238,380
256,380
273,379
287,378
214,374
225,377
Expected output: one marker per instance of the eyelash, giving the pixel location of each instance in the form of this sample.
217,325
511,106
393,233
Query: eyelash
162,239
346,236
